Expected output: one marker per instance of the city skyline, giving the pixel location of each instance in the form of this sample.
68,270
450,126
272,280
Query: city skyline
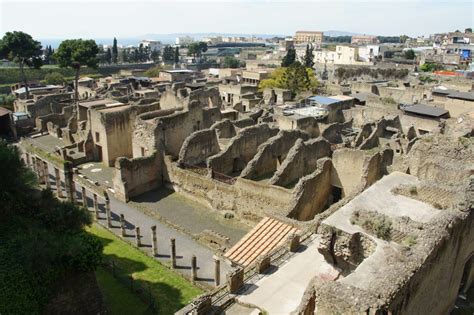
106,19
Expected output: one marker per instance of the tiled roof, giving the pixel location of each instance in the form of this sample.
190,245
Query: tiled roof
263,238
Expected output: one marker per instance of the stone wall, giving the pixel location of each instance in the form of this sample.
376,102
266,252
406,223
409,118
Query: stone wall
312,192
300,161
58,119
272,153
247,199
241,149
163,131
333,133
198,147
354,170
225,129
133,177
177,96
145,140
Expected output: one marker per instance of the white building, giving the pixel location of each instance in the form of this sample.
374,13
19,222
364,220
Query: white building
369,53
184,40
346,55
153,44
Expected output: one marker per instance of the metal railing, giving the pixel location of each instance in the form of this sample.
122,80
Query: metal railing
221,297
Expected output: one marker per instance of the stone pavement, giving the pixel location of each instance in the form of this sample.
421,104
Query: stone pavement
281,290
186,247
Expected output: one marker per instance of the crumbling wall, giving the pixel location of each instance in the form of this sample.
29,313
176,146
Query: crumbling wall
344,250
58,119
383,128
354,169
244,122
198,147
117,132
333,133
133,177
167,129
300,161
145,139
247,199
241,149
178,96
47,104
225,129
312,192
272,153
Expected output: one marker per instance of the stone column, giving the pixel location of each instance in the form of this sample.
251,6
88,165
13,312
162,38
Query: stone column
217,271
28,161
46,174
107,209
154,242
138,236
33,164
235,279
57,178
40,170
84,196
194,267
173,252
293,242
96,206
202,305
122,224
69,184
263,263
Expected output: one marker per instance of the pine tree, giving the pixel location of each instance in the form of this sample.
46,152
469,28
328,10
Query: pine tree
290,58
108,56
176,55
114,51
309,56
124,56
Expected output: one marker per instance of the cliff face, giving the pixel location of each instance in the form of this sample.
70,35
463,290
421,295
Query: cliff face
77,294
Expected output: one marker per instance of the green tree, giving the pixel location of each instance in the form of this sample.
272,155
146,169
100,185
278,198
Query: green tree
231,62
296,78
155,55
75,53
125,57
176,54
114,51
289,58
468,30
22,49
168,54
410,54
43,239
108,56
48,54
196,49
309,56
403,39
55,78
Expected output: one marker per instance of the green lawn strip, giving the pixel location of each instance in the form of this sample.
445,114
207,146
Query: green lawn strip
118,298
171,290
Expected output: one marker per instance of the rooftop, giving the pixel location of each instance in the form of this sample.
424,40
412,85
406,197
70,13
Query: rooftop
424,110
323,100
262,239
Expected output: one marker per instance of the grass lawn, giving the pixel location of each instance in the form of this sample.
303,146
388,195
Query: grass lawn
118,298
171,291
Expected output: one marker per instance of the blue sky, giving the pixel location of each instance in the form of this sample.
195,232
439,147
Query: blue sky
103,19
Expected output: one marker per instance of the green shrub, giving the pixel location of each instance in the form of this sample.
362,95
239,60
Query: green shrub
54,78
